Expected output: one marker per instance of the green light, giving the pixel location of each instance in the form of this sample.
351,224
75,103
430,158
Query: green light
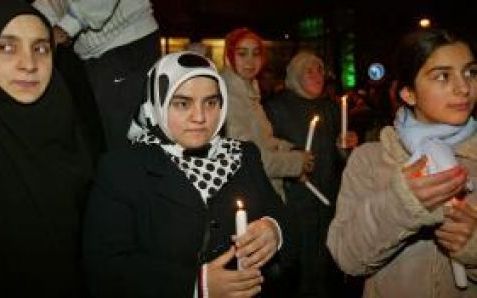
348,69
311,27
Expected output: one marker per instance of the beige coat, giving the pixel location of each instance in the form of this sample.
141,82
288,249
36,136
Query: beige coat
374,232
247,121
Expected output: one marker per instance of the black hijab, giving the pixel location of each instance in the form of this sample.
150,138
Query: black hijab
44,173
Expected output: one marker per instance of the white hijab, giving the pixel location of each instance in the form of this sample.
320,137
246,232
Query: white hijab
207,168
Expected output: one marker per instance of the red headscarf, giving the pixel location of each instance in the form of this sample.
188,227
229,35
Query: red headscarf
234,37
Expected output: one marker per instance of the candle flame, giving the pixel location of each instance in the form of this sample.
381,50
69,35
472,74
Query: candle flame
315,119
344,98
240,204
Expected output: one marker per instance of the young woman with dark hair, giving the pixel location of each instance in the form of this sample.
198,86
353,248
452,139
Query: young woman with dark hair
406,207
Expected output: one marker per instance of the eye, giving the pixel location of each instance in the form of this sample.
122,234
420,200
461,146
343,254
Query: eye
471,72
257,53
310,71
7,48
42,48
442,76
212,102
180,104
241,53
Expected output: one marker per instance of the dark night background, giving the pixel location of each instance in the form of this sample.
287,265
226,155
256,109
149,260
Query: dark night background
376,25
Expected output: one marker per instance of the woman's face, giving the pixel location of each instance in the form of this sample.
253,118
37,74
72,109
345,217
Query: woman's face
445,87
25,58
313,79
248,58
194,112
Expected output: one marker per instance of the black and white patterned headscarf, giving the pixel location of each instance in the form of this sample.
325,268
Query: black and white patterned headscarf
207,168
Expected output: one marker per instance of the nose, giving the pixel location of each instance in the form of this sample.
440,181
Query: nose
198,113
462,86
27,61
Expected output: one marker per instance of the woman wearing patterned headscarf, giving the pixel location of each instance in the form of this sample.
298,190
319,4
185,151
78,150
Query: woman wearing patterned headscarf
161,217
44,171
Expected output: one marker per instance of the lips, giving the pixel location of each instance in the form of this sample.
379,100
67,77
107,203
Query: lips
464,106
196,131
26,84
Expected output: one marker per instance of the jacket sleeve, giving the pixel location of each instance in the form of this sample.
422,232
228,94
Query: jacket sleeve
116,264
87,14
273,205
374,217
47,9
278,159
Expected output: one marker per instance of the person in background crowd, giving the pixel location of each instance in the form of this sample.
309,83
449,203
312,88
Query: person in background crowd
246,120
45,168
290,113
118,42
402,215
162,213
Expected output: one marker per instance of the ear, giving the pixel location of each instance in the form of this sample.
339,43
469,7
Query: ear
408,96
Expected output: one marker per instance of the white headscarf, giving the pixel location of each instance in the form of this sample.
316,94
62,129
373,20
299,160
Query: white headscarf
296,69
207,168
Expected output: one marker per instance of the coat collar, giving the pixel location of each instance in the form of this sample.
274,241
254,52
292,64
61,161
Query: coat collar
167,180
236,84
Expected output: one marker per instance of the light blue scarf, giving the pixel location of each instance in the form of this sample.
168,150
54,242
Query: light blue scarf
434,140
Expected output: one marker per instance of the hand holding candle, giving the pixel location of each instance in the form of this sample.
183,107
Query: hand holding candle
240,223
344,120
311,132
440,157
309,140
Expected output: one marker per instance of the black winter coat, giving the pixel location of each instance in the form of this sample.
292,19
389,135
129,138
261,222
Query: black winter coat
147,230
290,116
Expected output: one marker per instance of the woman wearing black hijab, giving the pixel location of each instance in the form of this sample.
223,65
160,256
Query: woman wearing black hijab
44,170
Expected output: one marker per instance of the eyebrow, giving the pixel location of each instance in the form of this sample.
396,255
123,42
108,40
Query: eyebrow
440,68
471,63
14,38
247,48
180,96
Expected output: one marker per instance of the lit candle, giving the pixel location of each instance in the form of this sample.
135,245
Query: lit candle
240,223
344,120
311,132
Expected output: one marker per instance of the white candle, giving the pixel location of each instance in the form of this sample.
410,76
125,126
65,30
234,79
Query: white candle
344,120
441,158
240,223
311,132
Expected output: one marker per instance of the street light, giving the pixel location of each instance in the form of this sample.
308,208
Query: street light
424,23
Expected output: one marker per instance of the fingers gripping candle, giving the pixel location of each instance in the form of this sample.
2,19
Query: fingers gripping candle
240,223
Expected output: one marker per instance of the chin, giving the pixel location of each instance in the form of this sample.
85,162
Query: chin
457,120
194,145
26,98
